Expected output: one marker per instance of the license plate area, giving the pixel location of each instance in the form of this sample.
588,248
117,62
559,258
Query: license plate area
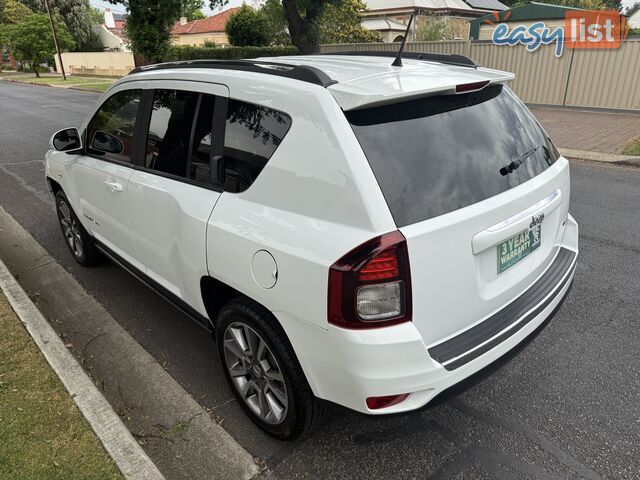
514,249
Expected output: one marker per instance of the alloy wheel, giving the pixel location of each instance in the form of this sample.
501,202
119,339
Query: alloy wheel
70,229
255,373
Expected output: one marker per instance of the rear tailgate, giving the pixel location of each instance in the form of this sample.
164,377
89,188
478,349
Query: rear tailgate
455,273
479,192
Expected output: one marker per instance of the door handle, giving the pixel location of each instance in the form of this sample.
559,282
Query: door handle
113,186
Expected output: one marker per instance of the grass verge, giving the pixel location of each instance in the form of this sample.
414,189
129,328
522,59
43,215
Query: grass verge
632,148
42,433
86,83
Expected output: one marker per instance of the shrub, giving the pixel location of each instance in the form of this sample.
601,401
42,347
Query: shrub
230,53
248,27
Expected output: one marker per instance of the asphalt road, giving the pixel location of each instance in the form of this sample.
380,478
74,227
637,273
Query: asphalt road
567,406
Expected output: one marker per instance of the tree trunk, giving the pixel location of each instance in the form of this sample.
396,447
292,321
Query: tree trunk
34,65
303,31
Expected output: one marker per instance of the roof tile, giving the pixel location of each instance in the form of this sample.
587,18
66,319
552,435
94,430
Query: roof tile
205,25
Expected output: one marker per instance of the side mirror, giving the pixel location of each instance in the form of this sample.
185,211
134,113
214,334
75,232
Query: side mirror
106,143
66,140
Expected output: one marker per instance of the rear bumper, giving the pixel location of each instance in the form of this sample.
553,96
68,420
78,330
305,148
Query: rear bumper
348,366
472,343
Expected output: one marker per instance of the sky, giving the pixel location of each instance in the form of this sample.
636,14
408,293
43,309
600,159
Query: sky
236,3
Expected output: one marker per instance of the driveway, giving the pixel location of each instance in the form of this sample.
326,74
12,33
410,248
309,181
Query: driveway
565,407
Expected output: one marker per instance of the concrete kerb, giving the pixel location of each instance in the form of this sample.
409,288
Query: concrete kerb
130,458
609,158
126,373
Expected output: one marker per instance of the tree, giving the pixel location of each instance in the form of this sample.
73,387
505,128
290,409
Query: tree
149,25
74,14
340,23
248,27
432,28
31,40
96,15
310,22
93,43
15,12
76,17
274,13
302,18
191,9
632,9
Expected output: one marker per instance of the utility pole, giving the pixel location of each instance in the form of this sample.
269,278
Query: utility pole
55,40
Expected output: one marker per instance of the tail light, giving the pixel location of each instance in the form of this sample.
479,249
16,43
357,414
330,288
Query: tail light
370,286
471,87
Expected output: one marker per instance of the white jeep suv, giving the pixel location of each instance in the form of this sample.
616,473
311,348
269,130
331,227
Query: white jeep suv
352,231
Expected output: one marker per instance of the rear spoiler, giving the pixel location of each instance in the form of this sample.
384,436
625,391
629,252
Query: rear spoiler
408,85
445,58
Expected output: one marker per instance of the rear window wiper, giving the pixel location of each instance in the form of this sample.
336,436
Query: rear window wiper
518,161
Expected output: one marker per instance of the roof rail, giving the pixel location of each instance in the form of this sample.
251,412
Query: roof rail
449,59
303,73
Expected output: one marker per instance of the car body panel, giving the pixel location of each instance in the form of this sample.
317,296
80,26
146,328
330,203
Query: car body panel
368,81
315,200
455,288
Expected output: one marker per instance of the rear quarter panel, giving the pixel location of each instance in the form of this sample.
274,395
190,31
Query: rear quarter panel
315,200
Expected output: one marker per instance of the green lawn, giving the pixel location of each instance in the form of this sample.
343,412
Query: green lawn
632,148
88,83
42,433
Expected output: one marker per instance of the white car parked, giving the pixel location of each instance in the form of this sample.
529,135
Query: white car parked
353,232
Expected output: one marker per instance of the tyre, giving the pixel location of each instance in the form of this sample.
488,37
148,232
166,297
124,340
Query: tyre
263,371
80,243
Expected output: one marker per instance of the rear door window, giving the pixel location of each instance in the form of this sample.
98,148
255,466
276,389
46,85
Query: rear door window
252,134
438,154
179,138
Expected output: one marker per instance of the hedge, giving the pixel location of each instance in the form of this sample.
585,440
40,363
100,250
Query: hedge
229,53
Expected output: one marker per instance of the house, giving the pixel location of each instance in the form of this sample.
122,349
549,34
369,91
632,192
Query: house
389,30
111,32
197,32
390,17
528,14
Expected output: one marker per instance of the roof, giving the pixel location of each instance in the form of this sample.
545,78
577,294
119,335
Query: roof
118,32
374,6
382,24
533,11
529,11
356,80
119,17
371,80
212,24
487,5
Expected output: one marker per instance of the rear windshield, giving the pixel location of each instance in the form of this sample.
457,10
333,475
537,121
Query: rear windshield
438,154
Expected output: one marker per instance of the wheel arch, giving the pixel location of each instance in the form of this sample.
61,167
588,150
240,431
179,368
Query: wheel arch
54,187
215,295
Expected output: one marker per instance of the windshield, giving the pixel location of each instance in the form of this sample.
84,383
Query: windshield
438,154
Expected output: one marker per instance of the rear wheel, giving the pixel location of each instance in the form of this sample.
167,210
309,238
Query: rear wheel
78,240
263,371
